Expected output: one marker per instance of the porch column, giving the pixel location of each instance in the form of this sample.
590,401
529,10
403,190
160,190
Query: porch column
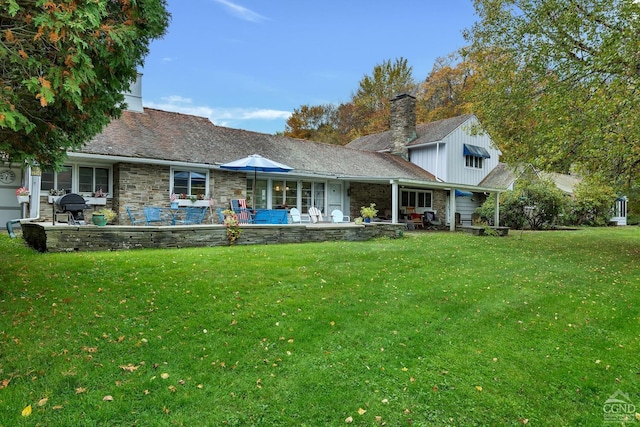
394,201
452,209
496,215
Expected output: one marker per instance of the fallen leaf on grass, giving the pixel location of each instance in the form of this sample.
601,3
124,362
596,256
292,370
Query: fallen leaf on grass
348,420
81,390
42,401
4,383
26,411
129,368
362,411
107,398
479,388
164,375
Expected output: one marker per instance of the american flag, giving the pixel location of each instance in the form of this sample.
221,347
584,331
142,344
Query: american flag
173,197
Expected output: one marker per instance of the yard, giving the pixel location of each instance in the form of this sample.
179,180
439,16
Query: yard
432,329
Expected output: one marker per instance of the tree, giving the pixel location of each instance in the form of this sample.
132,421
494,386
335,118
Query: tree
65,65
445,91
372,99
314,123
557,83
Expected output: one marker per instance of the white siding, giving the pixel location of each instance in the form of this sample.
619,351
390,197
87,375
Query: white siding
446,159
432,159
458,172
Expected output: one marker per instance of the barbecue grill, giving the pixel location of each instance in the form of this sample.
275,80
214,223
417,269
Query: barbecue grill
72,204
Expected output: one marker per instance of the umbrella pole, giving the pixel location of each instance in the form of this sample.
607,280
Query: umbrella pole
253,198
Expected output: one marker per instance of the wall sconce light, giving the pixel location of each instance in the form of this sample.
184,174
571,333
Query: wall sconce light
278,188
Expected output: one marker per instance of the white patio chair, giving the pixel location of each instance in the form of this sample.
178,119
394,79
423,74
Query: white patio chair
338,216
297,217
315,214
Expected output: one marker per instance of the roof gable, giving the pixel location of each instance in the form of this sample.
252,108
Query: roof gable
426,133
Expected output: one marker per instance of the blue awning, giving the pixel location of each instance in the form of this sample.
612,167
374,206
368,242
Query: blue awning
474,150
460,193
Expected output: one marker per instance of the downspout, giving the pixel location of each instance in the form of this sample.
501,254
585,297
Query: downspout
34,175
437,159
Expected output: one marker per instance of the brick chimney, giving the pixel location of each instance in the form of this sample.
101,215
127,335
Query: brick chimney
403,124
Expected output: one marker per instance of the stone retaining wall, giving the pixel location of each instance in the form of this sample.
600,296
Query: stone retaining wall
71,238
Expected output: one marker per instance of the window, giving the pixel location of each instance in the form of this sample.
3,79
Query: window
91,179
77,179
416,198
61,180
474,155
191,183
473,161
284,193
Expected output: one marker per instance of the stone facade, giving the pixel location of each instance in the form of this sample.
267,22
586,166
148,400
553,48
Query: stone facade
137,185
71,238
402,124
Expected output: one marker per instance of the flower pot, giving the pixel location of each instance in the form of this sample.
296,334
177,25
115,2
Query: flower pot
367,220
99,220
23,199
174,205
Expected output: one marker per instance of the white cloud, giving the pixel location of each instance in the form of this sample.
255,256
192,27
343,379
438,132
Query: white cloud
232,117
177,99
241,11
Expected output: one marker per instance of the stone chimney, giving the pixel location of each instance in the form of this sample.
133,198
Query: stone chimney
133,97
403,124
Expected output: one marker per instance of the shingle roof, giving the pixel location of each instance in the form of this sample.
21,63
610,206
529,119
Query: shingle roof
426,132
503,175
162,135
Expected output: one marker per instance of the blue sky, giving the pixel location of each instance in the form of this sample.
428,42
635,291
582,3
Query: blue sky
248,64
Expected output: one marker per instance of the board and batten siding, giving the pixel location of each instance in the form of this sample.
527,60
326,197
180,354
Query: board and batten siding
445,159
432,159
458,172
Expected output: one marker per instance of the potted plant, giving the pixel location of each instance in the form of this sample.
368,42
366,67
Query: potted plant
22,194
103,216
368,212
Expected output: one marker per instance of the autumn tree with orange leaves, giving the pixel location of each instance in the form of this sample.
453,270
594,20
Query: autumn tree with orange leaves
64,67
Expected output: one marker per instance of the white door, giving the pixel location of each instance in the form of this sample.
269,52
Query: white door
334,198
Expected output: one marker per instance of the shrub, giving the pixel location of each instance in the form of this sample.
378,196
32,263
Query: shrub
535,203
592,204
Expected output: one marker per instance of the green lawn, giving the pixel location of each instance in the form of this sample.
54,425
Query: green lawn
433,329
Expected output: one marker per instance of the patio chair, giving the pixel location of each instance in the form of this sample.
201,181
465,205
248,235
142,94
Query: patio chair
297,217
220,215
338,216
315,214
153,216
414,217
132,217
193,215
239,206
431,221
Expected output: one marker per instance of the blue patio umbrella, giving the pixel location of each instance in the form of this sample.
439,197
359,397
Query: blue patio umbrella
256,163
